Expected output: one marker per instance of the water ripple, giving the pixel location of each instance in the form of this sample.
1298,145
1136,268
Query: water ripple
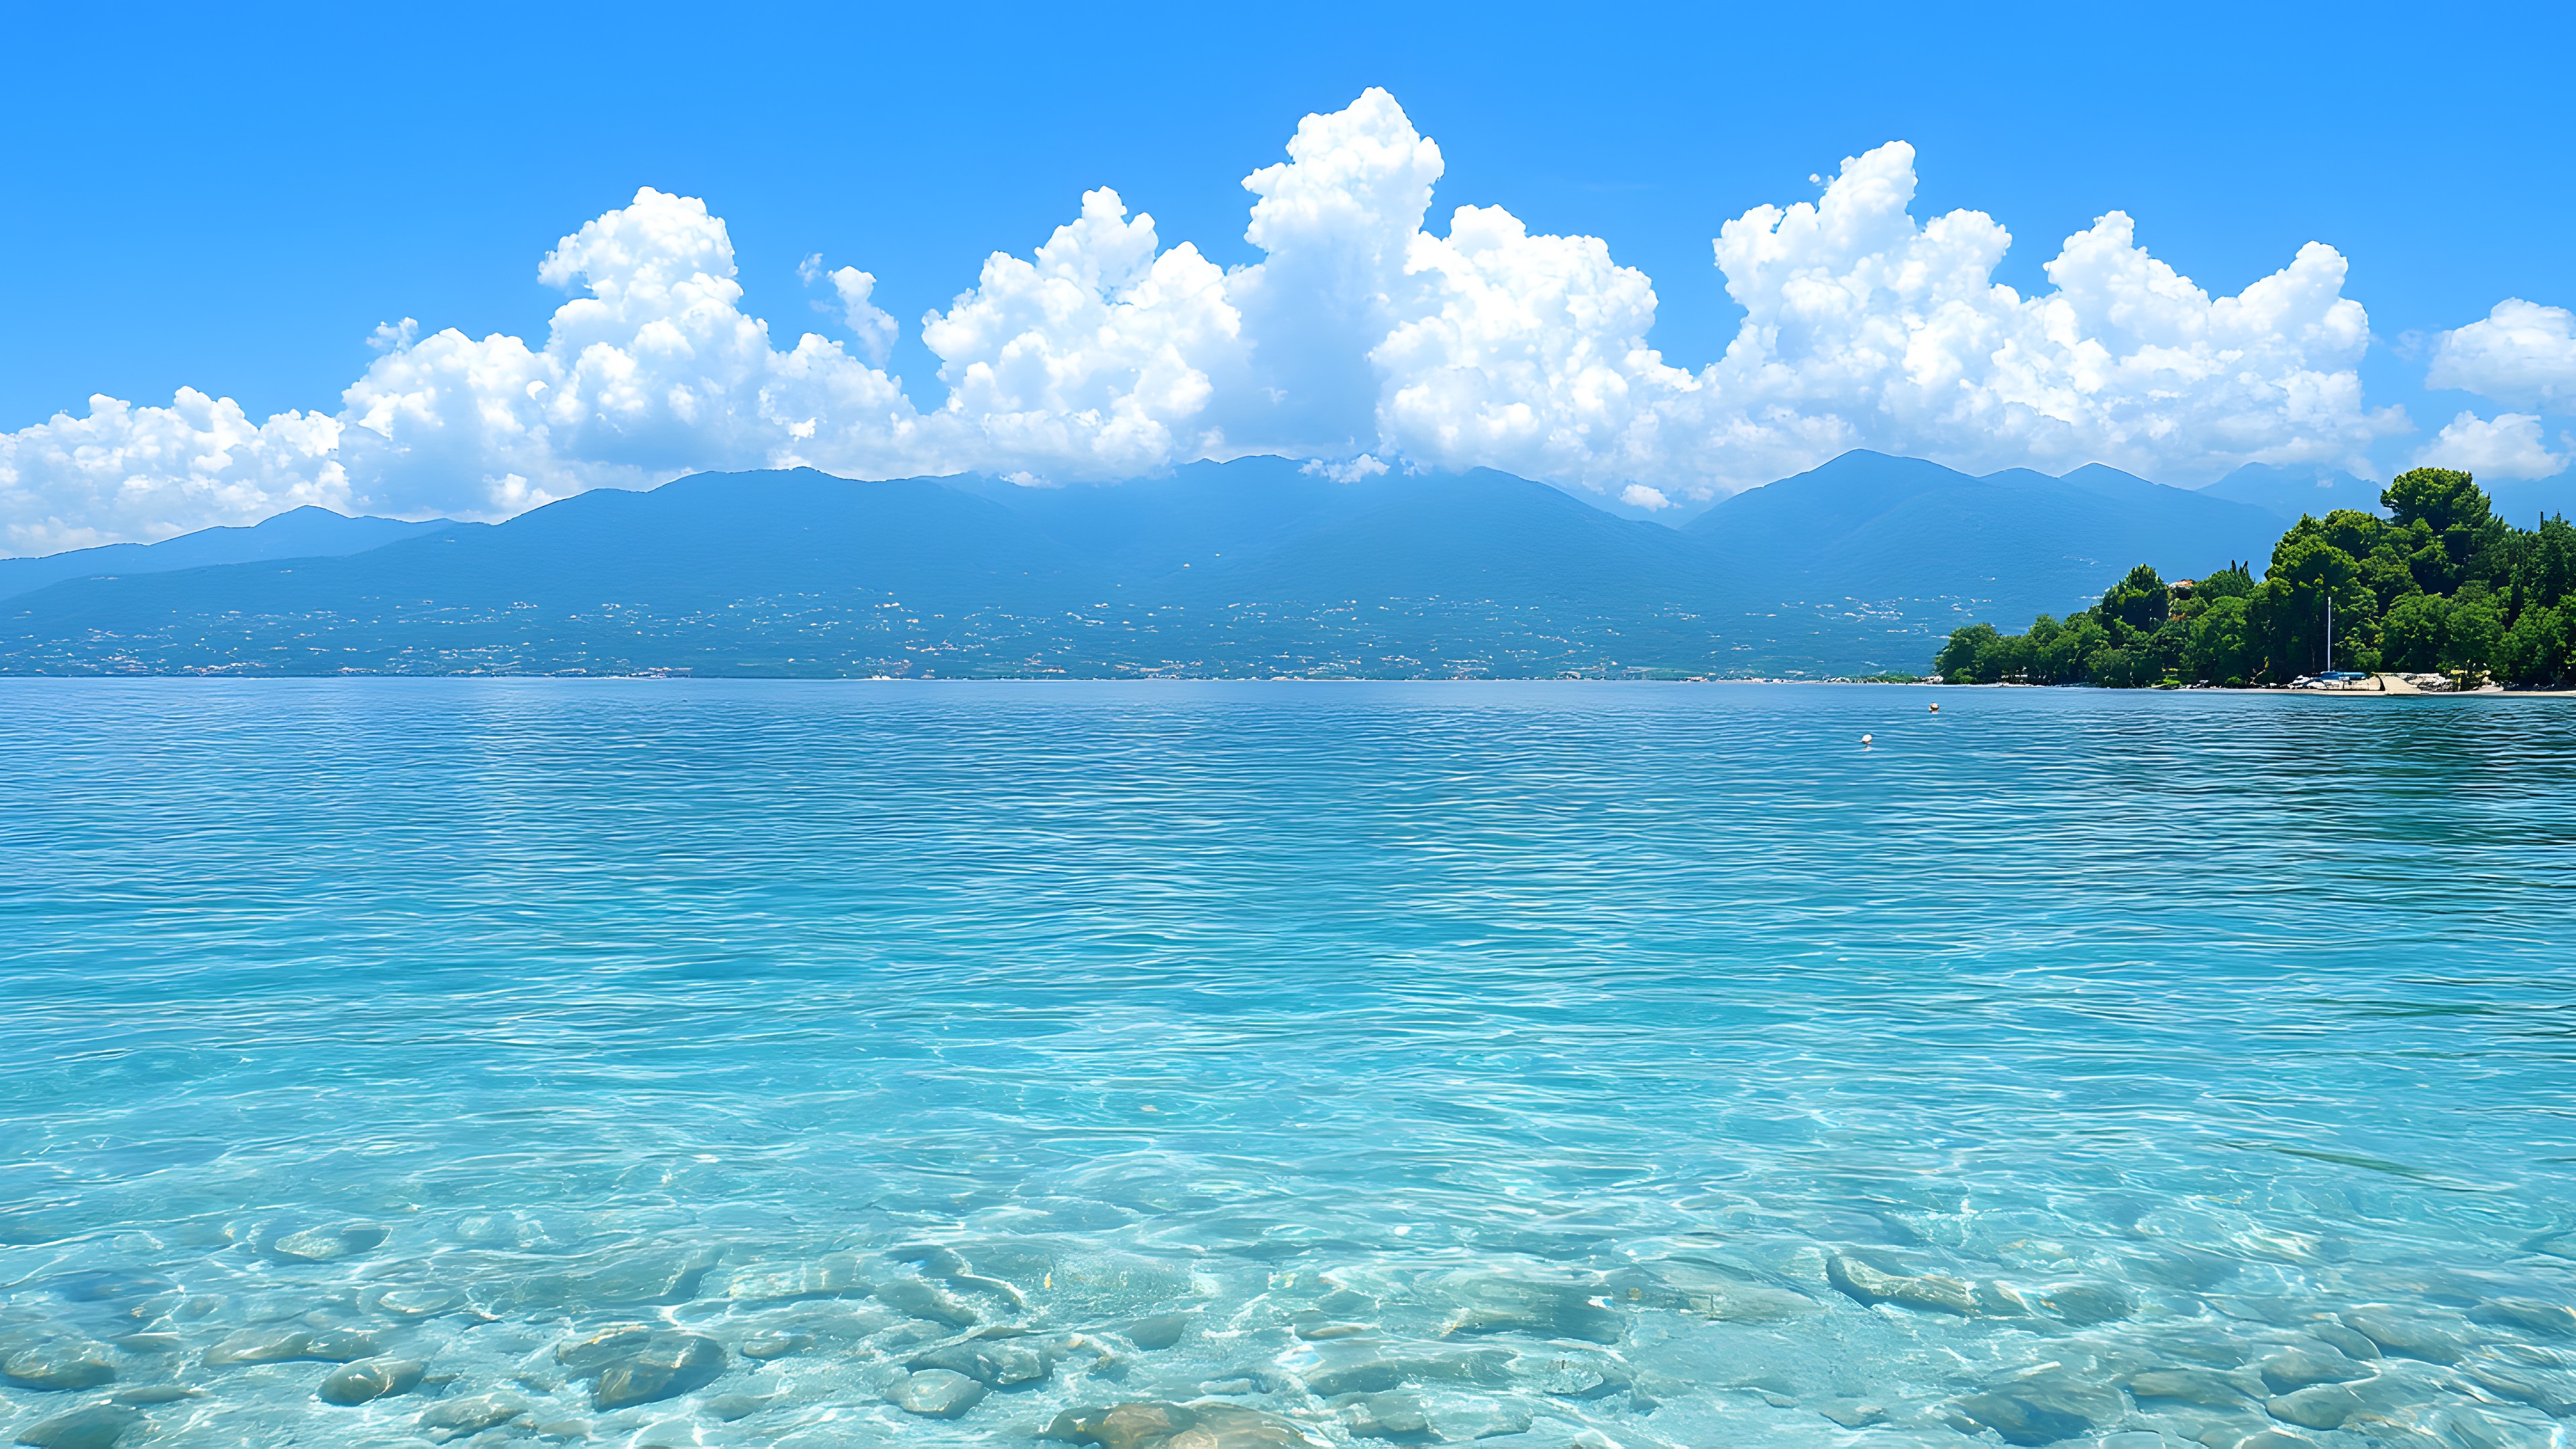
1545,1063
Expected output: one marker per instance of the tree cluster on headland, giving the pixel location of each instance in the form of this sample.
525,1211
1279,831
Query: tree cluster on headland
2440,585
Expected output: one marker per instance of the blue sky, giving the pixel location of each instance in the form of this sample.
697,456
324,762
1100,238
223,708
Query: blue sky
235,203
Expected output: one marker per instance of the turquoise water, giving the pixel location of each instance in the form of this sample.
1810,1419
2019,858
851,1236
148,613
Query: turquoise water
655,1063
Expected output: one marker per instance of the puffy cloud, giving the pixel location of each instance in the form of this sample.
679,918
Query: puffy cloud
1528,354
1864,327
875,328
2509,447
1336,223
2521,354
126,472
655,372
1359,336
1350,470
1096,357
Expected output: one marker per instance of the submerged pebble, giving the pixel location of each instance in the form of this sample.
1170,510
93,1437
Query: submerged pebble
2555,1397
1375,1372
95,1426
2206,1387
993,1363
150,1394
417,1302
1460,1418
2544,1320
1158,1332
1854,1413
60,1363
2320,1406
2297,1368
1704,1288
2041,1409
935,1393
1385,1416
1862,1283
2087,1305
323,1245
640,1364
2402,1336
929,1302
455,1418
1144,1425
765,1346
835,1275
1498,1303
370,1379
286,1345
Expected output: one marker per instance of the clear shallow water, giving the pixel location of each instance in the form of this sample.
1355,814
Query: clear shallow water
1543,1063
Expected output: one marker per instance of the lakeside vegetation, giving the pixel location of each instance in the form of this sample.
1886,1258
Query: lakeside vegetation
2441,585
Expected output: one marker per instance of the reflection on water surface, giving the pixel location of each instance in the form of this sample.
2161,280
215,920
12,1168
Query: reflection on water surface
523,1063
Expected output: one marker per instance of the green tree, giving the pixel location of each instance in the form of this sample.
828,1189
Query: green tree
2476,627
2232,582
2225,647
2441,498
2410,637
2066,657
2290,607
1961,660
2121,669
2453,516
2442,583
2140,602
2543,565
2537,649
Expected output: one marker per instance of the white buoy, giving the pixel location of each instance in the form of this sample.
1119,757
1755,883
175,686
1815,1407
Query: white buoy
1864,739
1936,709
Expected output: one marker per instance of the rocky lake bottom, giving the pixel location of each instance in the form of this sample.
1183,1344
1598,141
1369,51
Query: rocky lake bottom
1245,1067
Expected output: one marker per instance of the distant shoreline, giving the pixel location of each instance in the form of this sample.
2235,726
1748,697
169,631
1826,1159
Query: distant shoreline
2270,691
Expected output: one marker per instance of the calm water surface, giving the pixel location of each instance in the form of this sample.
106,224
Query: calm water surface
819,1065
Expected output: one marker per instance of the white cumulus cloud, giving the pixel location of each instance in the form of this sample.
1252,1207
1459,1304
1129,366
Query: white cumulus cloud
875,327
1097,357
124,472
2521,354
2510,446
1865,327
1361,337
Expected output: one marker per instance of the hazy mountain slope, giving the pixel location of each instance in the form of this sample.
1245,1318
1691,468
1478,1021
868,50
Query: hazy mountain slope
2290,492
297,533
719,570
1472,535
1198,514
1942,547
1249,567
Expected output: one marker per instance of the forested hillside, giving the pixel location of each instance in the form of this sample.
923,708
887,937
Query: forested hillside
2439,585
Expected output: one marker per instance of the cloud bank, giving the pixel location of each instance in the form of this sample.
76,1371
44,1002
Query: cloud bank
2509,446
2521,354
1361,337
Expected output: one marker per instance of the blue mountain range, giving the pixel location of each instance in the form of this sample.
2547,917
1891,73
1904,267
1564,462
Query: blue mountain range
1255,566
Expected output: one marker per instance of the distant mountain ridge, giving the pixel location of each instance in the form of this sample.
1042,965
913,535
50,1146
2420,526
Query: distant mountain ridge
1869,528
2288,492
306,532
1250,567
